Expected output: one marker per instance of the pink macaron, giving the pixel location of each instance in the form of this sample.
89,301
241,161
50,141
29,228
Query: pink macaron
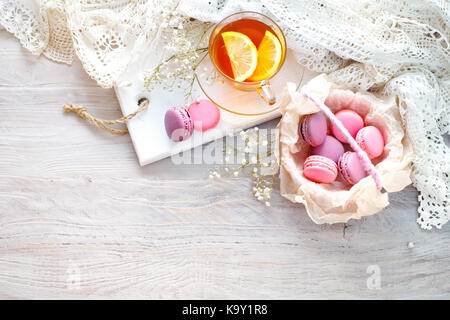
178,124
370,139
205,114
330,148
320,169
313,128
351,168
352,121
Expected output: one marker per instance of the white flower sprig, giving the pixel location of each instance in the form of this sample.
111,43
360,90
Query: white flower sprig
183,37
257,155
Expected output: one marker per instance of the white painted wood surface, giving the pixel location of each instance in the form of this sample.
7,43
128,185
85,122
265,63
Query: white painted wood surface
73,200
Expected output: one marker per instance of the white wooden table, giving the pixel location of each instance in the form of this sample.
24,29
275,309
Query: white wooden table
80,219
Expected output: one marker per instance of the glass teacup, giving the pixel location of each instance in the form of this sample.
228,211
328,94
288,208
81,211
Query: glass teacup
254,25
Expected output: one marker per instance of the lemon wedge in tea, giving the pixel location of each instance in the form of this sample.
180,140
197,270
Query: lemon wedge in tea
242,53
269,57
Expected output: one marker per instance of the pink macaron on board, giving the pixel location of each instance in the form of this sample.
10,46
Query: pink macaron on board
178,124
205,114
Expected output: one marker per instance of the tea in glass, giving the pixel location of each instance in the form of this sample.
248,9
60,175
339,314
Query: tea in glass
248,48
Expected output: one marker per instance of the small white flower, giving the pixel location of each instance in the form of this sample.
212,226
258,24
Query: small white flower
236,173
267,204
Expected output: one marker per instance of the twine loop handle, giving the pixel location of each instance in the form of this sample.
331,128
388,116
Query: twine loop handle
103,124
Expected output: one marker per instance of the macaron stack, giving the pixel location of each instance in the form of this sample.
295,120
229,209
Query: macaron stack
327,153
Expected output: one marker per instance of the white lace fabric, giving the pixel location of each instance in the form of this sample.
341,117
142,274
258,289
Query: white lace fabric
393,47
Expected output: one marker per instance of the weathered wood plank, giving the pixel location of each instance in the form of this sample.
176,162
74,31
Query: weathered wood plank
73,200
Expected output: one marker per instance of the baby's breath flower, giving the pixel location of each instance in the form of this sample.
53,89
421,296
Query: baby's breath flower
184,36
262,184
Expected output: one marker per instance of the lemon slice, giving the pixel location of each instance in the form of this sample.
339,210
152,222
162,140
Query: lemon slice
242,53
269,57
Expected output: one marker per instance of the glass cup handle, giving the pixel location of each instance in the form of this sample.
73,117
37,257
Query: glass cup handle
265,91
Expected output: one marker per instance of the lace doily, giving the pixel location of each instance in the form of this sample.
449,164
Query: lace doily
393,47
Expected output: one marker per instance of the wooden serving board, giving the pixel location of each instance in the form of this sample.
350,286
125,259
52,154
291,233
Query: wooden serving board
147,129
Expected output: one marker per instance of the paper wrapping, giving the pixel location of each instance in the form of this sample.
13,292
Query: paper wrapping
338,201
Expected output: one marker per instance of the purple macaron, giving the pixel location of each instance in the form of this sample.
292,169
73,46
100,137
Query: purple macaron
313,129
178,124
351,168
330,148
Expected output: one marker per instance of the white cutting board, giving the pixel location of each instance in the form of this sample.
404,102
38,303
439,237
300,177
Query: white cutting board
147,129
